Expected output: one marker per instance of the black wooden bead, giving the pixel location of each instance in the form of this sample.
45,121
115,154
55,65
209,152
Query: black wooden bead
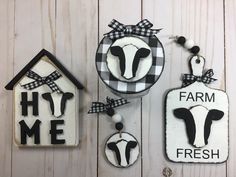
181,40
110,112
195,49
119,126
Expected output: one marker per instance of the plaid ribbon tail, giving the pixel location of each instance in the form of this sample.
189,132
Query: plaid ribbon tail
206,78
98,107
54,87
49,81
143,28
115,25
29,86
188,79
145,24
118,103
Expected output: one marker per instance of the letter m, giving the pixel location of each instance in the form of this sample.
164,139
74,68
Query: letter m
34,130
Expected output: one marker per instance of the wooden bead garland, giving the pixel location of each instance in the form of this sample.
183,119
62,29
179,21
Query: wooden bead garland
121,149
116,118
188,44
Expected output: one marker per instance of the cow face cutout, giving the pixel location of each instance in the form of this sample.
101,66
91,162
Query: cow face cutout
122,151
129,59
120,53
198,121
57,102
119,146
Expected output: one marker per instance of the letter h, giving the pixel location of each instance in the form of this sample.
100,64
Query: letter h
25,103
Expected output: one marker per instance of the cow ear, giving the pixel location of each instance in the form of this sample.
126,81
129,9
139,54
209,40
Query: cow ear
181,113
112,146
46,96
116,51
142,53
68,95
215,114
132,144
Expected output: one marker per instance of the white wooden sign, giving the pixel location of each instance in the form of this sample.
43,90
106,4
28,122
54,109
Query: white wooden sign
130,59
197,120
46,102
122,149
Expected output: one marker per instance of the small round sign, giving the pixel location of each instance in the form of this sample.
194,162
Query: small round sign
122,149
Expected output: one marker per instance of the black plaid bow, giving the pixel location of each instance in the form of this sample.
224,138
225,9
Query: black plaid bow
111,103
205,78
43,80
141,29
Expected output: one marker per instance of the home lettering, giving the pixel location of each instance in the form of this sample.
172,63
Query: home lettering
34,130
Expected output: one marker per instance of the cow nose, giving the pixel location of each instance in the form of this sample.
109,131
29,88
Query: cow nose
128,76
57,115
198,145
123,164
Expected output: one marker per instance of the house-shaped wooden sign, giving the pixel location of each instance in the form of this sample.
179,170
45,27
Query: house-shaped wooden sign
45,103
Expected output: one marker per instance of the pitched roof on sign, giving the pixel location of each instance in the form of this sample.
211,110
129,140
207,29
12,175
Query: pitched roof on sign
38,57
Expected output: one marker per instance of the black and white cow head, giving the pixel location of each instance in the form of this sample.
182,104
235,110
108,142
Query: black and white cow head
198,121
122,149
57,102
129,58
129,61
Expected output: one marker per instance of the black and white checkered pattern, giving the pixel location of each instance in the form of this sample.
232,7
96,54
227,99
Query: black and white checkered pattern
206,78
131,87
111,103
141,29
49,80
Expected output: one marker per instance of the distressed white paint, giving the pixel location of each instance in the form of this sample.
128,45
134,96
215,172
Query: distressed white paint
70,117
69,29
197,65
176,136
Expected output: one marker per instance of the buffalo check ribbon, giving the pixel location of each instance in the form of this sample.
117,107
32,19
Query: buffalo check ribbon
103,107
48,80
120,30
205,78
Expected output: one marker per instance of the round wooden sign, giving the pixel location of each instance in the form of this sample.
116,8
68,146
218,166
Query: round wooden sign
130,65
122,149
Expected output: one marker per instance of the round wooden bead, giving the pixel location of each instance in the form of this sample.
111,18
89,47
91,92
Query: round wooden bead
119,126
181,40
110,112
195,49
116,118
189,44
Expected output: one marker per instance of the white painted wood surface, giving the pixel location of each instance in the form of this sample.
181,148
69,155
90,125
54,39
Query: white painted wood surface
71,30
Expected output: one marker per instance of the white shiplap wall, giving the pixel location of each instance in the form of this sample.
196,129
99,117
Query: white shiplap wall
71,29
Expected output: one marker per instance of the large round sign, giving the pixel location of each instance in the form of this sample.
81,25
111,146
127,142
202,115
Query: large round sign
130,65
